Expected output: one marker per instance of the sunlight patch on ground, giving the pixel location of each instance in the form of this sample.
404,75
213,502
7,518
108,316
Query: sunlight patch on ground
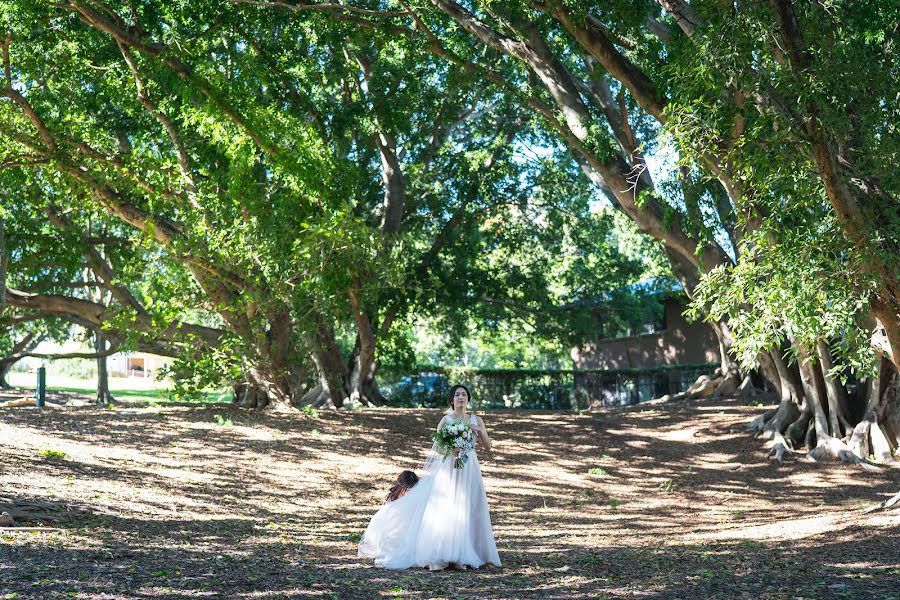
682,434
793,529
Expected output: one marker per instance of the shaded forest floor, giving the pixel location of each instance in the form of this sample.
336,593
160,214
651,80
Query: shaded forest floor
669,501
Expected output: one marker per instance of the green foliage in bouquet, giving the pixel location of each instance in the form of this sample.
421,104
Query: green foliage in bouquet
455,435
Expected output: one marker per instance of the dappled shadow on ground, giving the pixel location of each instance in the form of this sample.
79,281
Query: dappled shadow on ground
650,502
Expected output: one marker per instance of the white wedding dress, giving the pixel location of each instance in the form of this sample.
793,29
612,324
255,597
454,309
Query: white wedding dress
443,519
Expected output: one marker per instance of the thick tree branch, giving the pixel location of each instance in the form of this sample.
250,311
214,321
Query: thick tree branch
684,15
99,265
106,240
445,233
298,7
22,161
658,29
595,41
10,92
534,52
96,315
164,230
29,342
184,166
847,205
790,33
70,285
4,263
391,171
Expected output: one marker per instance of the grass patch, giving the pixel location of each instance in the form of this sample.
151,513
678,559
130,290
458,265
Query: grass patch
310,412
151,397
222,421
668,486
52,454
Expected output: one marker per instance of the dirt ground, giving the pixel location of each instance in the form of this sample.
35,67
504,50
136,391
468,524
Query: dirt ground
666,501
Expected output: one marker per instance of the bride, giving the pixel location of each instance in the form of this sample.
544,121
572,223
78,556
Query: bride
443,520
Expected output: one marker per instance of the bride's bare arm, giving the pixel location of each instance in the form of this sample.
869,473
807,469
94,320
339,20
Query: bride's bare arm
482,433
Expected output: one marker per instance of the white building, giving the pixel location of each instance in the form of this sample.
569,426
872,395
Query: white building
136,364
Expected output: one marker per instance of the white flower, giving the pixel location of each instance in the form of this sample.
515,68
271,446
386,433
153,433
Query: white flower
459,443
465,434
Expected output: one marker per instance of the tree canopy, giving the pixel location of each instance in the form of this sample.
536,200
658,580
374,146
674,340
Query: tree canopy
276,192
266,197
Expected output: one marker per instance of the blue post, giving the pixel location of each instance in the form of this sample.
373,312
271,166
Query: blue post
40,394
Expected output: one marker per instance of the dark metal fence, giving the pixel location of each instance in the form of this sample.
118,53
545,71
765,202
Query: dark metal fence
539,389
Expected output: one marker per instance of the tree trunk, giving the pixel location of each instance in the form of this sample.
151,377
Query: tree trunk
791,401
5,366
731,376
104,396
838,399
827,425
260,389
331,390
890,418
790,424
331,367
283,366
878,433
827,445
888,313
767,365
363,390
277,375
4,263
862,210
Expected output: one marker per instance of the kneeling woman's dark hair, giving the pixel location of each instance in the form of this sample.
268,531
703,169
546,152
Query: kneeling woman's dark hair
453,393
405,481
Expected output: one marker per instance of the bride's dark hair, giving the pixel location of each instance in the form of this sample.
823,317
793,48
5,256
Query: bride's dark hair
453,393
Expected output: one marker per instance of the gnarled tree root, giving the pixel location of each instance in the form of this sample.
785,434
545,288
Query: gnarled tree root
758,425
831,448
780,447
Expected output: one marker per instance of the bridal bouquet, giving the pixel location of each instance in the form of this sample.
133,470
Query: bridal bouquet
456,435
